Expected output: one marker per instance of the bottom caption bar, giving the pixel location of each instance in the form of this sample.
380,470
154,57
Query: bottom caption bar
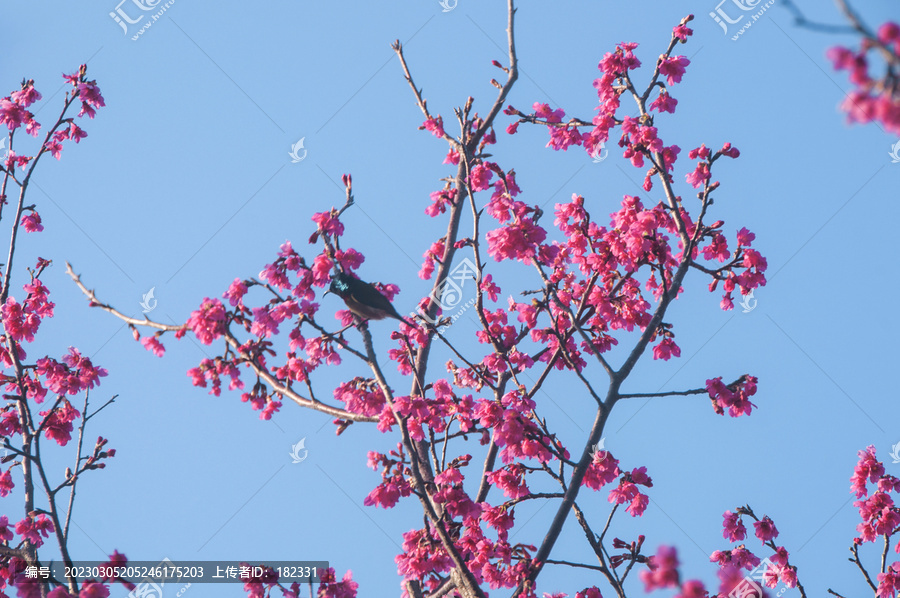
183,571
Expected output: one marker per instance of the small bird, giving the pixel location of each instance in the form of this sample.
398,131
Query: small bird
362,298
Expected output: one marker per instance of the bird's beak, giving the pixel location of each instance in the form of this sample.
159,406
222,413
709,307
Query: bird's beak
326,292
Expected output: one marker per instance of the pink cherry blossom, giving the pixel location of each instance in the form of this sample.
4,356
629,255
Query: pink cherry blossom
699,176
663,570
208,322
6,534
26,96
682,31
93,589
435,126
874,96
12,114
692,588
543,111
88,374
31,222
666,349
6,483
236,292
488,286
328,223
152,344
664,103
717,249
517,241
58,423
672,67
330,588
440,200
19,324
889,581
509,479
480,177
90,93
868,468
765,529
734,530
35,529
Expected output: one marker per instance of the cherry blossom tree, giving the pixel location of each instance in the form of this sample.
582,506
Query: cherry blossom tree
38,414
604,285
601,305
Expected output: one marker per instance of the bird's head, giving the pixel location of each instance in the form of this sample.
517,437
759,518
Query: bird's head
340,284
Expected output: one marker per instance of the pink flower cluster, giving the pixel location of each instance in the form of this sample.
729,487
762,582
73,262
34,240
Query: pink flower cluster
330,587
735,398
394,483
604,468
513,426
731,562
208,322
13,109
21,321
57,422
211,370
637,237
874,97
496,563
14,114
74,374
288,273
34,529
880,515
521,237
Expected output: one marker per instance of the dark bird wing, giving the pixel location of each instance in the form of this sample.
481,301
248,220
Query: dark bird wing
367,302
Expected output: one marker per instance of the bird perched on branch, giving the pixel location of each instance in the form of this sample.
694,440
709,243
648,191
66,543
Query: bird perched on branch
363,299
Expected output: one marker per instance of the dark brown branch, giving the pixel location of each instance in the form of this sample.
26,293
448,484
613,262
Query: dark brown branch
854,549
680,393
512,75
800,20
581,565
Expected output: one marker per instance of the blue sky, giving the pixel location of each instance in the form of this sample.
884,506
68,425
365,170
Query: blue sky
185,183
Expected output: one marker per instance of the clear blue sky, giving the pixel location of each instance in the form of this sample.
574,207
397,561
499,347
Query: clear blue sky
185,183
